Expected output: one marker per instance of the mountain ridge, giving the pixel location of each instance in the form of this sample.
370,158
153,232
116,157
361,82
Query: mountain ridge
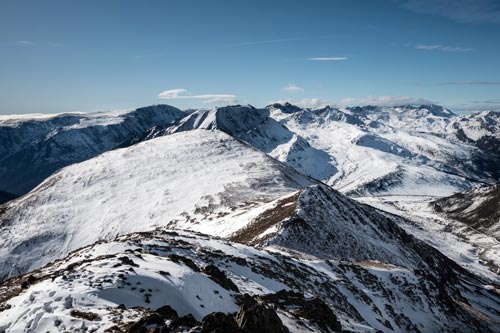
32,149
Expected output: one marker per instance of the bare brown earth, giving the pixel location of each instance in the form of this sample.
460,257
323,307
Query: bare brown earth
284,209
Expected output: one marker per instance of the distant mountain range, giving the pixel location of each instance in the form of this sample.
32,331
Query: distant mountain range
410,148
31,149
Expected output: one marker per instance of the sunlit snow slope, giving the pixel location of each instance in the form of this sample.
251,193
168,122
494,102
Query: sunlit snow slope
395,151
193,178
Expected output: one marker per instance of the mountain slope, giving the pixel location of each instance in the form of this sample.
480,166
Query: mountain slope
31,149
192,179
255,127
321,222
149,279
478,208
391,151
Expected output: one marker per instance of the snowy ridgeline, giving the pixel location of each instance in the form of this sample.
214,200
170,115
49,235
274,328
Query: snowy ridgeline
359,150
33,147
176,280
197,179
424,150
200,180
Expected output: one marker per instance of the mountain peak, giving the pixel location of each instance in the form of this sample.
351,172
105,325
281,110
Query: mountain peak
285,107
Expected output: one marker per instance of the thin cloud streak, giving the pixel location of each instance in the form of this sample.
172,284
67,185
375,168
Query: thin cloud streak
328,59
443,48
270,41
24,42
489,101
383,101
180,93
472,83
475,107
465,11
346,102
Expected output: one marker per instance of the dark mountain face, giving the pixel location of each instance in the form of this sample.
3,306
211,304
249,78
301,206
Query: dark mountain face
6,196
32,150
285,107
479,209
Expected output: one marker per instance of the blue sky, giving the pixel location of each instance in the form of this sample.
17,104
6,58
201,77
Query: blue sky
64,56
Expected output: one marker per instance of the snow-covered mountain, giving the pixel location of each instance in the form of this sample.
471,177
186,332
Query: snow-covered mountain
399,150
203,180
254,177
360,262
197,179
359,150
476,127
257,128
478,208
177,281
33,147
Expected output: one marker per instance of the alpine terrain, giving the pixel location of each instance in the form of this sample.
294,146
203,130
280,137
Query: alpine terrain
244,219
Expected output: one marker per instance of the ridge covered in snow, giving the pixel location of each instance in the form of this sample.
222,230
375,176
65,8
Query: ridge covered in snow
359,150
32,148
194,179
256,127
398,150
176,280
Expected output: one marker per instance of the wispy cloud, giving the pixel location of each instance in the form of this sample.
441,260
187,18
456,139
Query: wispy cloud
369,100
469,11
383,101
328,59
472,83
489,101
24,42
293,88
476,106
268,41
442,48
150,55
180,93
54,44
29,43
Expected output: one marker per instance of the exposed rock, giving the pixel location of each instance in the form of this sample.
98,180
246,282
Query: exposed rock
84,315
220,278
166,312
246,300
187,321
259,318
219,322
186,261
313,309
